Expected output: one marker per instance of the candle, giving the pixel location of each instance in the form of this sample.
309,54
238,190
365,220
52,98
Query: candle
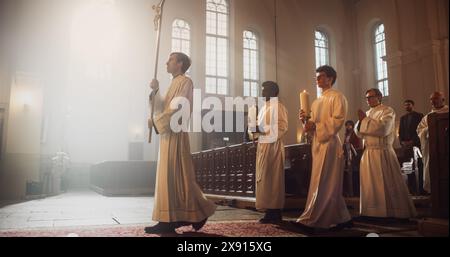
252,116
304,102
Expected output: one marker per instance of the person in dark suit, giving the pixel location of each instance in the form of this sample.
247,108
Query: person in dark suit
352,143
408,125
408,137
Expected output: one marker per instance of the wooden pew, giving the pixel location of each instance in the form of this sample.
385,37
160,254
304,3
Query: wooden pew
230,171
438,140
298,169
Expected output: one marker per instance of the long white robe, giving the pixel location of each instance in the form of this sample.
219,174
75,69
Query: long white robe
325,205
384,193
270,186
422,131
177,194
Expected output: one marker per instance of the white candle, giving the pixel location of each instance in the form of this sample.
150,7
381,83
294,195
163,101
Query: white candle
304,102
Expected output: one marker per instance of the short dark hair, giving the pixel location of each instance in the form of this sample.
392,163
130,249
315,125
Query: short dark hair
181,57
273,87
350,122
409,101
376,91
329,71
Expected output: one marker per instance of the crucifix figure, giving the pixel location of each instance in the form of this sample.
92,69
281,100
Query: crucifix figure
158,11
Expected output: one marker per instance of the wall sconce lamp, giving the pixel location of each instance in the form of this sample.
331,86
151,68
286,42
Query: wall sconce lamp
137,132
26,99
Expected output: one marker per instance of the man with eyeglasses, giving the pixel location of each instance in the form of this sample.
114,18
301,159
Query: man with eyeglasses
384,193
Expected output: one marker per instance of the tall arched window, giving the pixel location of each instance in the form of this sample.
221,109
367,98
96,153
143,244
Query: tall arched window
379,42
217,47
321,45
181,37
251,64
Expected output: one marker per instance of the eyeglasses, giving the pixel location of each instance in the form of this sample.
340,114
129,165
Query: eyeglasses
370,96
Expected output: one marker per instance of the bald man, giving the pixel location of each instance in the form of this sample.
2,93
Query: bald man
438,105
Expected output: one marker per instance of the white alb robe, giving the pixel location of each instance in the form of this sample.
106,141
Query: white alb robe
177,194
384,193
270,186
422,132
325,205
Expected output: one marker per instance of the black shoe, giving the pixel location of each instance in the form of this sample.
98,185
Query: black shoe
270,220
198,225
342,226
277,216
272,216
161,228
264,220
303,228
180,224
366,219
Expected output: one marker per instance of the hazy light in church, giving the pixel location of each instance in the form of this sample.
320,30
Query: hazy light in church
26,92
137,133
95,38
26,99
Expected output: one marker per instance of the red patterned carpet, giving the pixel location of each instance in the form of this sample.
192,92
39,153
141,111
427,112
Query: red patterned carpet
222,229
212,229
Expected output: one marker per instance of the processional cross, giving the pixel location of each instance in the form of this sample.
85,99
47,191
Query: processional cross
157,21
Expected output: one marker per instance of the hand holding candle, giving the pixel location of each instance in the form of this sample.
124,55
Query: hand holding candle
305,114
304,103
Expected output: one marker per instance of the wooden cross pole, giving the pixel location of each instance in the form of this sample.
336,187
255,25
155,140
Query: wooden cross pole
157,21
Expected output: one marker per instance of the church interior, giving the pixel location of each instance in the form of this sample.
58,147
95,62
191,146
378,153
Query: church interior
75,156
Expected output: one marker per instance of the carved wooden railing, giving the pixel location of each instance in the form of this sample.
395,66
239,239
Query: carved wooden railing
227,171
231,170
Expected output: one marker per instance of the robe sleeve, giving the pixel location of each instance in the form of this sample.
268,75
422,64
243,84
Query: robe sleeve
158,107
282,121
162,120
159,103
378,127
357,128
325,129
422,131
